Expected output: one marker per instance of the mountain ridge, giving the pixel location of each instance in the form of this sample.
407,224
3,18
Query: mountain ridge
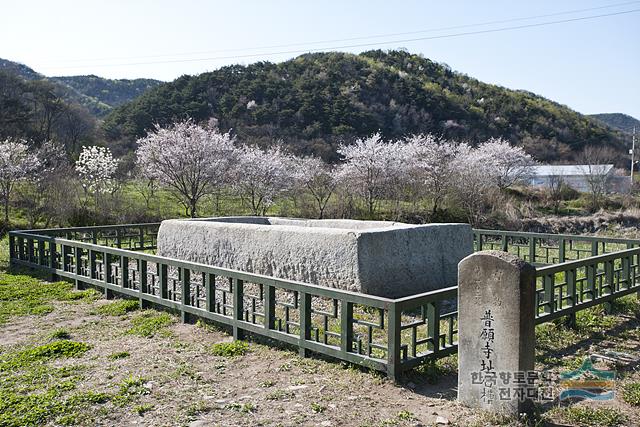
315,101
97,94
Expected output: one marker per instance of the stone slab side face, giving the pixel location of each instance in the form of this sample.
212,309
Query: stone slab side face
496,340
374,257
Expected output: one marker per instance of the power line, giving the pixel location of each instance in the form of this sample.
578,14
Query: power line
350,46
430,30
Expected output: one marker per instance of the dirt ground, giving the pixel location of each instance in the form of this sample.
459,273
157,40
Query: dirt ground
184,384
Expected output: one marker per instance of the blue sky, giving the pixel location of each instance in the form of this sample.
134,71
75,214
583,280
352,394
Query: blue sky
590,65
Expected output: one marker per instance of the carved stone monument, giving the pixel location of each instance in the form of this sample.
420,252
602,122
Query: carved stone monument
496,341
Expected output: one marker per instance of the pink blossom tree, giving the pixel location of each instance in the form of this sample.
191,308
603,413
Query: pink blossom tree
17,162
47,194
372,169
318,178
189,159
263,176
431,167
507,164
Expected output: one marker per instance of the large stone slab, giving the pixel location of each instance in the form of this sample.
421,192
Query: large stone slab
375,257
496,338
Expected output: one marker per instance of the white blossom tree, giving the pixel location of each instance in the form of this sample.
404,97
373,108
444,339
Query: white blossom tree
96,168
472,182
47,194
262,176
372,169
431,164
16,164
190,159
508,164
318,178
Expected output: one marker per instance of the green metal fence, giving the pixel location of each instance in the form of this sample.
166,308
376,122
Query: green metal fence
379,333
545,249
389,335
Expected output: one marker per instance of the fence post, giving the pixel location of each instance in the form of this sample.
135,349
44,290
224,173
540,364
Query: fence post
53,255
142,278
163,280
496,302
346,326
186,293
78,261
106,265
394,341
270,306
562,249
532,249
12,250
210,285
238,308
433,326
305,320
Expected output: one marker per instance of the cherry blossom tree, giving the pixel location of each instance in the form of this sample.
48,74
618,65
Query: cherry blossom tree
262,176
472,182
507,164
190,159
372,169
47,194
16,163
318,178
431,167
96,168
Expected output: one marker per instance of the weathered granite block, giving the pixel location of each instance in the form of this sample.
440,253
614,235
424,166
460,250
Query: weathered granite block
496,338
375,257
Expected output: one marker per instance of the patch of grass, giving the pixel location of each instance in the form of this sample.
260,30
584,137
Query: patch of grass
230,349
406,416
317,408
266,384
432,370
244,408
118,308
553,335
60,334
629,304
280,395
143,409
129,390
118,355
593,320
631,393
22,295
53,350
33,393
148,323
587,416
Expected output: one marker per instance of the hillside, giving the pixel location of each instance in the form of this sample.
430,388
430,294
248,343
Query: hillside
314,101
619,121
96,94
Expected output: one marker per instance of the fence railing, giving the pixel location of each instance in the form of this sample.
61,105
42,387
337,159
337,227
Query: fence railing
545,249
389,335
380,333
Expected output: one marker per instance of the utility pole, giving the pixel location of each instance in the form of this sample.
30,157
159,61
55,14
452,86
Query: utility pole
632,152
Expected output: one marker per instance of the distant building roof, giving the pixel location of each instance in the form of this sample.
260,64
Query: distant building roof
570,170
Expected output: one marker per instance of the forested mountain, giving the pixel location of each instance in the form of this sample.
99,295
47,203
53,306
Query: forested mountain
98,95
314,101
619,121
